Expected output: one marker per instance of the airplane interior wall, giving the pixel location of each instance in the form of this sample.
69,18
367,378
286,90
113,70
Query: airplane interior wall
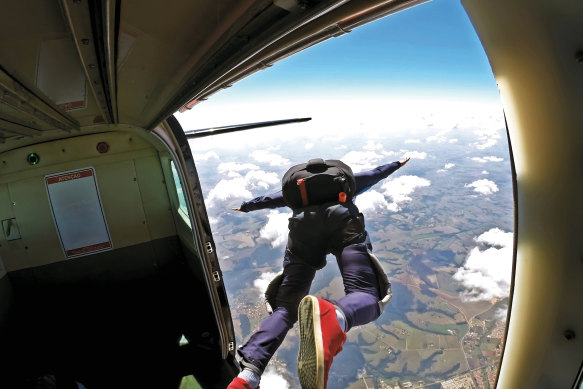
124,194
136,298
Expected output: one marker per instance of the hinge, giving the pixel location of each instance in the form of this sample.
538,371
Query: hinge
216,276
209,247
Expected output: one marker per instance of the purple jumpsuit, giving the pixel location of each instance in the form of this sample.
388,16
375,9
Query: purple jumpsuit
315,231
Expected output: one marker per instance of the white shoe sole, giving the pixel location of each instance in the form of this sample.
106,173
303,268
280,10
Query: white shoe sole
311,352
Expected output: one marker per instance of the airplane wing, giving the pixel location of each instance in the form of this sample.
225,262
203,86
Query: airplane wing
204,132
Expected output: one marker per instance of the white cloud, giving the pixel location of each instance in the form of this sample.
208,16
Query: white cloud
412,141
240,187
271,379
485,187
501,314
263,281
401,187
226,190
371,201
487,137
389,153
273,159
371,146
453,140
440,137
446,167
198,157
485,172
487,143
235,167
414,154
276,228
258,179
487,159
487,274
361,160
309,146
496,237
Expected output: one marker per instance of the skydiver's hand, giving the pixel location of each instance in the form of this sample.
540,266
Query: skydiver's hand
405,161
237,209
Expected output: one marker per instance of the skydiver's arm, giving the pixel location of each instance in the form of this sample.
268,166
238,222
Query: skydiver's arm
274,200
366,179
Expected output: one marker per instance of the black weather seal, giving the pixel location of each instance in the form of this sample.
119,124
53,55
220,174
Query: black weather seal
515,244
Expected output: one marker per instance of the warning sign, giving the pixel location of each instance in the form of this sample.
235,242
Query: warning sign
78,213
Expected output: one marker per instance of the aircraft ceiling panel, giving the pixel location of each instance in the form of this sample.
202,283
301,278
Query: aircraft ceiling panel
160,45
43,85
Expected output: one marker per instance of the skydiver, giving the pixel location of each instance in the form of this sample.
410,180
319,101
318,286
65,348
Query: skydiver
314,231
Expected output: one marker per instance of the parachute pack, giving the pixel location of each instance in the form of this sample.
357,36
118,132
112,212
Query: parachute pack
318,182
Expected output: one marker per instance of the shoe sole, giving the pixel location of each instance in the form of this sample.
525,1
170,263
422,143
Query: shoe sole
311,352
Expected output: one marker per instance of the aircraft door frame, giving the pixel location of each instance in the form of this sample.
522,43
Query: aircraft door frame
171,133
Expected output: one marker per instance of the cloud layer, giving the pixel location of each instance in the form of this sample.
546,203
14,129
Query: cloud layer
488,269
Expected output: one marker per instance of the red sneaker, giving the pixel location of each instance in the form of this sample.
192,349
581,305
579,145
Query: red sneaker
239,383
321,339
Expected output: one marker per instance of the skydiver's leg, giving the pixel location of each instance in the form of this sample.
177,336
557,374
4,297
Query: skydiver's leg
323,325
264,342
360,305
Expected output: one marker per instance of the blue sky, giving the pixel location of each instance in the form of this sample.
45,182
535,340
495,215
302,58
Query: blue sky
430,50
426,58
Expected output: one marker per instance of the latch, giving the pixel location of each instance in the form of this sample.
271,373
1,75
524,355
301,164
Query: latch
209,247
11,230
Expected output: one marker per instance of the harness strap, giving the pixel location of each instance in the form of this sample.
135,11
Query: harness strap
302,184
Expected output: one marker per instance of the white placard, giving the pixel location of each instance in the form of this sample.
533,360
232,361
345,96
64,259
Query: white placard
78,213
60,75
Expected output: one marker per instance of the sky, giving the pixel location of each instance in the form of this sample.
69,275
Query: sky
429,54
430,49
